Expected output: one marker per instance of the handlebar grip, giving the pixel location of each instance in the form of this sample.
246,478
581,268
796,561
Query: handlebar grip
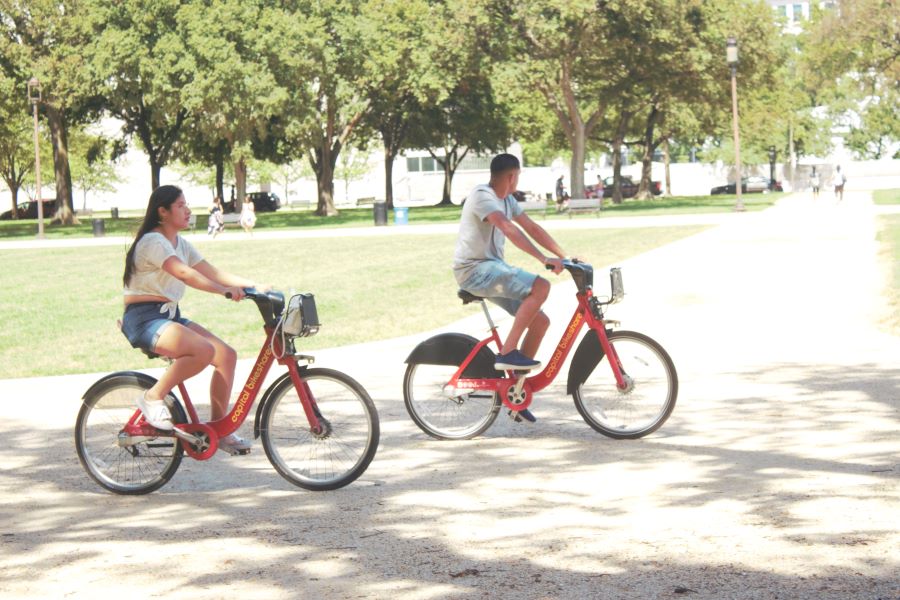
548,266
228,295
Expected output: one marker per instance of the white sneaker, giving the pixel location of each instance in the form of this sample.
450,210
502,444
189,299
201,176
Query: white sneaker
233,444
155,412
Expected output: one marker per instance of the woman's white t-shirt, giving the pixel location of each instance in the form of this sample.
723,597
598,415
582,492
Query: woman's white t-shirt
148,277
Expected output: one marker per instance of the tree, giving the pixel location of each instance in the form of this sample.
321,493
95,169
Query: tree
92,159
139,55
851,62
469,119
44,38
16,148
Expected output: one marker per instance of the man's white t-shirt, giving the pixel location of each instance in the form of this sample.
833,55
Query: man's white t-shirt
478,240
148,277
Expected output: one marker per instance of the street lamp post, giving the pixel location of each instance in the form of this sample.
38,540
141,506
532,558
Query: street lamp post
773,155
34,96
731,55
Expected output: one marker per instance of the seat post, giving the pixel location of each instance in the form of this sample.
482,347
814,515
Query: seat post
487,314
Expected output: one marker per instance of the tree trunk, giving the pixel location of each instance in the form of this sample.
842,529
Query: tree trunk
576,167
240,182
643,192
220,172
666,159
450,163
155,168
388,176
323,165
65,208
618,141
14,192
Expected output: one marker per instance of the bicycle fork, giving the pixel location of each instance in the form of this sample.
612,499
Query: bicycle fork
318,425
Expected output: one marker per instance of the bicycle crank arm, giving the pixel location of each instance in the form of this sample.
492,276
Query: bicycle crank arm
187,437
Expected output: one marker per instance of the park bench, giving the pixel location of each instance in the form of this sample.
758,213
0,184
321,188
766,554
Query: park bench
583,205
231,218
295,204
366,200
534,206
192,222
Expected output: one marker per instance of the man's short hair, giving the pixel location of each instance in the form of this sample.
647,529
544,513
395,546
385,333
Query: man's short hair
504,162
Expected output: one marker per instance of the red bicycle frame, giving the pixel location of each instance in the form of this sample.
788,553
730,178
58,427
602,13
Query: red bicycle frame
583,315
235,418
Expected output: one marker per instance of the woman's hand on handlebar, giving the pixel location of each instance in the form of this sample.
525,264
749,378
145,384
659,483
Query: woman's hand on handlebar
554,264
234,293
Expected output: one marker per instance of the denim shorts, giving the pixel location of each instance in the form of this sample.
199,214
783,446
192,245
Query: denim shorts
502,284
143,322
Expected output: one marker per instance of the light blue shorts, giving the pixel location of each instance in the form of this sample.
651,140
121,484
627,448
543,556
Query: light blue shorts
502,284
143,322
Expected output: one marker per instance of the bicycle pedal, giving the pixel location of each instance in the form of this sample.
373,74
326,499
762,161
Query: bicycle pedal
235,451
521,372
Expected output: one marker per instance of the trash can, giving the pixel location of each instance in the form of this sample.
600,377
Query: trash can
401,215
98,226
114,212
379,211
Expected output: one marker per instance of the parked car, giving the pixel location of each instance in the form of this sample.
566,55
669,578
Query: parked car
754,184
629,188
29,210
262,202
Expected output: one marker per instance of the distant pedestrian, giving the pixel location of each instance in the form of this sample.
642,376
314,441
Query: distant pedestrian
562,196
839,180
248,216
814,183
216,222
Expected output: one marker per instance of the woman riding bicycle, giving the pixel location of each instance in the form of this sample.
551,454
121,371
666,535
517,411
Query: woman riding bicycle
158,267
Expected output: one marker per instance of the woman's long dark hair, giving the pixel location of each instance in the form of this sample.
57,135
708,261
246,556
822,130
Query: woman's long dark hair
163,196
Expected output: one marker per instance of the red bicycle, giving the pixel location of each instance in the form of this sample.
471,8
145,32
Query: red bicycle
319,427
452,391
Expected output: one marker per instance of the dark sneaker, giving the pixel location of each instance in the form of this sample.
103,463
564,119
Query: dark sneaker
515,361
522,416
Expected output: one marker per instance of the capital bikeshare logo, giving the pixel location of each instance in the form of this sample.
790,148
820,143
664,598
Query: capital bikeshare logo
573,328
241,404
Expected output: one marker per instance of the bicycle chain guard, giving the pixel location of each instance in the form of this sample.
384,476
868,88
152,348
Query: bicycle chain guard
209,440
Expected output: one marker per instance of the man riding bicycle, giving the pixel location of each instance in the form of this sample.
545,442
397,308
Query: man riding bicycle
489,216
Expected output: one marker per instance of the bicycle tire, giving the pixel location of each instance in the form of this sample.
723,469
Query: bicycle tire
135,469
457,417
326,461
642,409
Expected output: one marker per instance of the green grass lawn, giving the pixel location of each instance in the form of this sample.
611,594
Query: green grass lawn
889,237
362,217
886,196
60,305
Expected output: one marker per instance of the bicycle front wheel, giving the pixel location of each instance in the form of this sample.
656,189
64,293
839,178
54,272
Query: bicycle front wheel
328,459
120,463
444,413
647,401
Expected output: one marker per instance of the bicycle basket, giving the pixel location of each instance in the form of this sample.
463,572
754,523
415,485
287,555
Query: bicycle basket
300,317
615,285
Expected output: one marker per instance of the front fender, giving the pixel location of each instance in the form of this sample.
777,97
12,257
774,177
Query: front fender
265,398
587,356
452,349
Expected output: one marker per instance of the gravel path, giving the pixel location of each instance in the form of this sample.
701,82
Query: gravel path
776,477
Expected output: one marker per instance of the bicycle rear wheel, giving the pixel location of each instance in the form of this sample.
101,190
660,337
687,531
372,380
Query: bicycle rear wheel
649,399
334,457
443,413
122,464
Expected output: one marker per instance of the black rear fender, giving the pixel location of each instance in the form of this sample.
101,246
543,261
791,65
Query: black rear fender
452,349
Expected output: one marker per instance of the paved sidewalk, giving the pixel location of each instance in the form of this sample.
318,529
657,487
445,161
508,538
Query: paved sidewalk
776,476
